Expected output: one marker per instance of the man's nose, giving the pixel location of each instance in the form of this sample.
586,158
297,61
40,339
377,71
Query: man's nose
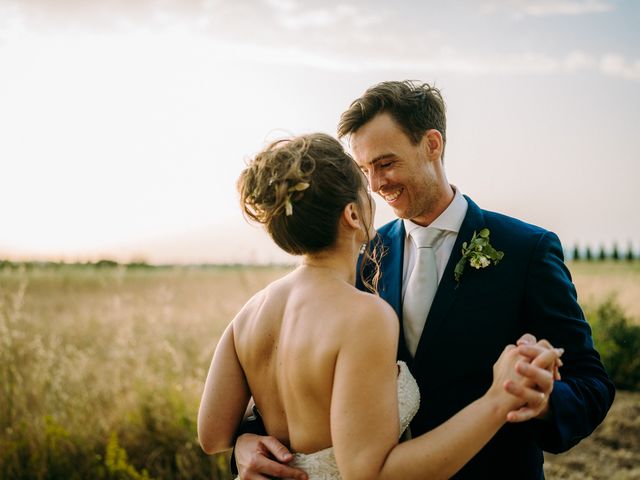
376,181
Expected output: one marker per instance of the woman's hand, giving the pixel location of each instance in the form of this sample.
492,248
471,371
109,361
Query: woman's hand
540,364
505,373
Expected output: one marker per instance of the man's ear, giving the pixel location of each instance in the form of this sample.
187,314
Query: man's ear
433,143
351,216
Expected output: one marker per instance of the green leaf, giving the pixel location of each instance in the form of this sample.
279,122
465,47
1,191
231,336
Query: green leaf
457,273
484,233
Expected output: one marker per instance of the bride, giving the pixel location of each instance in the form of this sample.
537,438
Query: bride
318,355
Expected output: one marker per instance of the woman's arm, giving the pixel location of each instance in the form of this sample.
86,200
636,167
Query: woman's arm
364,409
441,452
225,397
364,399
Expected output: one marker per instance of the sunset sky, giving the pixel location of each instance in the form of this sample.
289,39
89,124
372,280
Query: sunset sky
124,125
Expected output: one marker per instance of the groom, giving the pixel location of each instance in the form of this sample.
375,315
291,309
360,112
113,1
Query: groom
511,279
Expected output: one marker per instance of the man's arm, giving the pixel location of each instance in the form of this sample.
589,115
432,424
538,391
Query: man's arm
580,401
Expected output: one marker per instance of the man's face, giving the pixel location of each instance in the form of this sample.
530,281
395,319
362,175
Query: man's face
397,170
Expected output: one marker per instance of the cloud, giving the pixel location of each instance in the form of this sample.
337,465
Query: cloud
449,60
294,16
328,35
616,65
544,8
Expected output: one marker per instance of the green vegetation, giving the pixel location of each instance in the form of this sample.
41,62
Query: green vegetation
617,339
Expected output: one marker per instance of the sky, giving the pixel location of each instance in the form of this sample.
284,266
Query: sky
124,125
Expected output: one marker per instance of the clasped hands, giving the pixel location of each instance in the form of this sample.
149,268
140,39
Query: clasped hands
534,367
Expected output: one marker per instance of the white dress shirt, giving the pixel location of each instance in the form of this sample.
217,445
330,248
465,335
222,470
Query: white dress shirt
449,222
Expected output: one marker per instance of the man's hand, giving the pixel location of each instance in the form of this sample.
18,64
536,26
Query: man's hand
259,457
540,371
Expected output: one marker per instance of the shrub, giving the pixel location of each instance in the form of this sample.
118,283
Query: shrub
617,339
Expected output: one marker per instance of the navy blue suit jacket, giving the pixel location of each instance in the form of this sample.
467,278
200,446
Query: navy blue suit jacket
469,325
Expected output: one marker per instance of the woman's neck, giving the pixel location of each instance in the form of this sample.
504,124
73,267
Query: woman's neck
339,264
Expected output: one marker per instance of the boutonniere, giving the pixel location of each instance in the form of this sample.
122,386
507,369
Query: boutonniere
478,253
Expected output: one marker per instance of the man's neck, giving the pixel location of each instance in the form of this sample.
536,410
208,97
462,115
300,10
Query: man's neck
444,200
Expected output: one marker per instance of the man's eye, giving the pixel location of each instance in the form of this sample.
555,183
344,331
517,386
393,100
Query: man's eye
385,164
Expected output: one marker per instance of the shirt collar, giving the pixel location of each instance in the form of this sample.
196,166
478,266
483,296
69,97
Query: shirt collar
450,220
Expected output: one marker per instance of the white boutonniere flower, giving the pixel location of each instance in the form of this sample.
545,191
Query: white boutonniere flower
478,253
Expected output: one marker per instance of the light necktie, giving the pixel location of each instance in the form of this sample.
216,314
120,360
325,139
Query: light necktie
421,287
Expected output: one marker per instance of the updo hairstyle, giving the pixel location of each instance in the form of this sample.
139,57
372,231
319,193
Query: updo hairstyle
298,189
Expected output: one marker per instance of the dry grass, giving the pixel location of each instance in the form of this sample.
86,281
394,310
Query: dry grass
89,355
101,371
611,452
596,281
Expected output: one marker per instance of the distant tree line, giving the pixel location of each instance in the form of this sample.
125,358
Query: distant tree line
601,253
139,264
103,263
578,253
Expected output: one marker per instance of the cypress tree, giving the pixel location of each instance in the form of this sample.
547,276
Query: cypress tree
615,254
576,253
603,254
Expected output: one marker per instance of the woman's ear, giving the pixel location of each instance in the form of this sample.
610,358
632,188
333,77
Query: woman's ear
351,216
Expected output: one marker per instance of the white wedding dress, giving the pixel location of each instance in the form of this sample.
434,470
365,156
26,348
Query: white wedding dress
321,465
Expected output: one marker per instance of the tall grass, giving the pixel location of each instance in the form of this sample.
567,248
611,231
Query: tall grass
101,370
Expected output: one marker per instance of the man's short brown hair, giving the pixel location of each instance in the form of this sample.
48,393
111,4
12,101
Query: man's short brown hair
416,107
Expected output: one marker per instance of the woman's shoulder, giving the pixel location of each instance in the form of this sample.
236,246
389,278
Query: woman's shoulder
276,290
372,303
373,313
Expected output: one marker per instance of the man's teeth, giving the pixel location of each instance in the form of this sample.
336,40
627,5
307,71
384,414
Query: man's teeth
392,196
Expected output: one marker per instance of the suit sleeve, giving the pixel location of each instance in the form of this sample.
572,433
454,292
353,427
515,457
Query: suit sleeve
579,401
253,424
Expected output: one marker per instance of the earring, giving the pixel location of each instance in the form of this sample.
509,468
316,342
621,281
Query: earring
363,248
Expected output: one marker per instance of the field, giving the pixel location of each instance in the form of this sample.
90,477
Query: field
596,281
101,370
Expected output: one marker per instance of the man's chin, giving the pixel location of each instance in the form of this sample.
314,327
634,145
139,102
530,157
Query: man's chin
400,212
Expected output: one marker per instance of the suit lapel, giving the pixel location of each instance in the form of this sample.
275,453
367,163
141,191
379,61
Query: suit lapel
391,264
447,291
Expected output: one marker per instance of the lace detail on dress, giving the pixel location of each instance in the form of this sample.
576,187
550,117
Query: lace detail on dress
322,465
408,396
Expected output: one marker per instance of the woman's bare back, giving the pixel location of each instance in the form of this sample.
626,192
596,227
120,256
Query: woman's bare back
287,339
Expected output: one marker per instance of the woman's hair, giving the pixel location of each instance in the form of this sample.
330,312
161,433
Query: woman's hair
298,188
